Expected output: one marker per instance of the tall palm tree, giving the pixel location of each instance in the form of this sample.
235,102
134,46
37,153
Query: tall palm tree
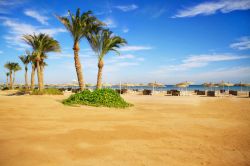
41,44
7,79
26,60
79,25
102,42
16,68
32,77
33,70
42,65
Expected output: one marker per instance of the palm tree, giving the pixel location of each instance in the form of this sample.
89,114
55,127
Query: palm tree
32,77
33,71
42,65
7,79
11,66
16,68
41,44
102,42
26,60
79,26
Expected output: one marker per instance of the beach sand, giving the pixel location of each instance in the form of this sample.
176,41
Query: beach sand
158,130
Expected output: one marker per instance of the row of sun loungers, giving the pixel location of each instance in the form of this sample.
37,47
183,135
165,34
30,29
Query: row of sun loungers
172,92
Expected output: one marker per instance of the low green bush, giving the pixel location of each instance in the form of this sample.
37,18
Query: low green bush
100,97
50,91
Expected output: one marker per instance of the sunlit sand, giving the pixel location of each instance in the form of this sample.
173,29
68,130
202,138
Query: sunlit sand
158,130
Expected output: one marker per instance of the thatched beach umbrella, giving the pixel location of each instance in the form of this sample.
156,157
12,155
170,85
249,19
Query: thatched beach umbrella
184,85
228,85
222,84
155,85
106,85
127,85
209,85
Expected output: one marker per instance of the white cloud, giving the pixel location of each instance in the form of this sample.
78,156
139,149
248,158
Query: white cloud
153,11
7,5
110,23
125,30
126,56
198,61
158,13
209,8
126,8
135,48
34,14
231,74
17,29
242,44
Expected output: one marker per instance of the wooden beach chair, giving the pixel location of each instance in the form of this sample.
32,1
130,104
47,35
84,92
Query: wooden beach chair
211,93
147,92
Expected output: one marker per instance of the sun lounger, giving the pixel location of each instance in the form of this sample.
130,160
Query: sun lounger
233,92
147,92
198,92
169,92
211,93
75,90
222,91
122,91
176,93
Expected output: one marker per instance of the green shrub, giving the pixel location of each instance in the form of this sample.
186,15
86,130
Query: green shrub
50,91
24,91
100,97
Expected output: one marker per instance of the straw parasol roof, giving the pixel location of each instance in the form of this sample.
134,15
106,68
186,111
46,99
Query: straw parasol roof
209,84
155,84
106,84
222,83
128,84
183,84
229,84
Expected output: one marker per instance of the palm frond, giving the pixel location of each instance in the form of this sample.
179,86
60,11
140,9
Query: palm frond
103,41
79,25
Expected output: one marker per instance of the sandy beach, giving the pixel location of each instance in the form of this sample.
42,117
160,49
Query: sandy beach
158,130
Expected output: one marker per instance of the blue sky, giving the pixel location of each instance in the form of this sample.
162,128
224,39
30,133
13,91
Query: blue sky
168,41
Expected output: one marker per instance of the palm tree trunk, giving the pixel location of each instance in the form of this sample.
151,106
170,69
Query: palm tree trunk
14,74
7,81
39,75
11,80
99,75
42,69
78,66
32,77
26,77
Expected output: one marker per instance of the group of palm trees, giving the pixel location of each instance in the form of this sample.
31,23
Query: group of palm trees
13,67
81,25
